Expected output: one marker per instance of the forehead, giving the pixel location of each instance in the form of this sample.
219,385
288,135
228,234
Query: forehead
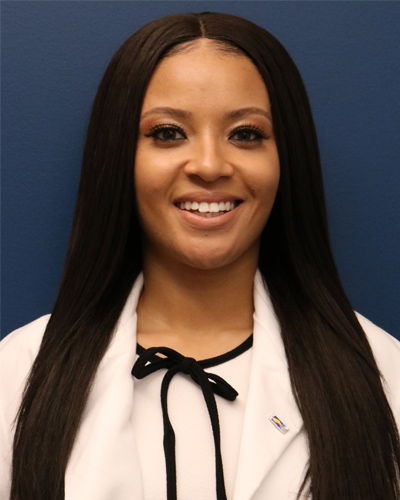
201,73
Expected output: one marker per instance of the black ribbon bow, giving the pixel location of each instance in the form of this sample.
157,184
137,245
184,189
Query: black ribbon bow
148,362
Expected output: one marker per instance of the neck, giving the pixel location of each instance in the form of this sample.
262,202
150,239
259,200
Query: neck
199,312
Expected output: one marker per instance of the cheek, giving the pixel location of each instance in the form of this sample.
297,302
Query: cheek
150,179
144,187
265,181
264,187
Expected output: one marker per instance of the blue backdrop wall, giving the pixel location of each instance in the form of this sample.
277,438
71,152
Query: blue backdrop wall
53,56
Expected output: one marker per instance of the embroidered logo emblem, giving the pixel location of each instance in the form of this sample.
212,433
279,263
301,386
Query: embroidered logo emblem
279,424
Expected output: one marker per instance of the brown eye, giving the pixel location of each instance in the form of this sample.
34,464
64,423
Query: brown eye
166,133
247,134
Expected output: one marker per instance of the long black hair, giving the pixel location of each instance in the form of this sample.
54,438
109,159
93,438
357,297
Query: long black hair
334,376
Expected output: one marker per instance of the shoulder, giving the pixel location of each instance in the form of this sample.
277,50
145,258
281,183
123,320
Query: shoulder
385,347
17,353
386,351
23,344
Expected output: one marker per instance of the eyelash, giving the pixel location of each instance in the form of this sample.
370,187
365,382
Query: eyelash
156,129
259,133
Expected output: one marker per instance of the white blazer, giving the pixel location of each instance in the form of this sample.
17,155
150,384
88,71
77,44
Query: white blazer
104,464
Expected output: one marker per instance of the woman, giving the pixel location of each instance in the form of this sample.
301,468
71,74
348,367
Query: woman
201,165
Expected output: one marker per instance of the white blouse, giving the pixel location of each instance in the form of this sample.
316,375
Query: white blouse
187,411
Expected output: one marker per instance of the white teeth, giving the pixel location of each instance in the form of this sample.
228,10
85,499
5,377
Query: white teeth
207,208
214,207
203,207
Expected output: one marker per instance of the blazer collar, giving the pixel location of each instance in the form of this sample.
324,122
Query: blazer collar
269,394
104,463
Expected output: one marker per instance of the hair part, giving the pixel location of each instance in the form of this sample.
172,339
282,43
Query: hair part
319,329
219,46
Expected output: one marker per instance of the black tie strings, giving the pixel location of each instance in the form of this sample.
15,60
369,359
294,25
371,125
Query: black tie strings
148,362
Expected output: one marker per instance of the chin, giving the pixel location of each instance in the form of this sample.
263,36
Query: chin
210,261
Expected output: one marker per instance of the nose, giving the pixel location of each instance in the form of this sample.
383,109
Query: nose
209,161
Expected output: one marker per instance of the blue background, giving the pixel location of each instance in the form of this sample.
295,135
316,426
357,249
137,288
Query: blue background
53,57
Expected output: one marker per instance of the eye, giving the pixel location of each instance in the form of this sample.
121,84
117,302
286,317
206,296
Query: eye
166,133
247,134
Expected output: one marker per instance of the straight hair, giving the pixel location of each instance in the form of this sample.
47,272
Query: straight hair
354,450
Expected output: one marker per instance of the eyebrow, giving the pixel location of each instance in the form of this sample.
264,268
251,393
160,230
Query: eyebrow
164,110
181,113
239,113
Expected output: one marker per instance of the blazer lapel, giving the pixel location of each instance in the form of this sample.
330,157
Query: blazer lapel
269,394
104,464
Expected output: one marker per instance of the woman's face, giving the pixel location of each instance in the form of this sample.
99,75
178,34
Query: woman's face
207,166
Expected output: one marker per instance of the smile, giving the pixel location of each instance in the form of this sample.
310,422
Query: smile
208,210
